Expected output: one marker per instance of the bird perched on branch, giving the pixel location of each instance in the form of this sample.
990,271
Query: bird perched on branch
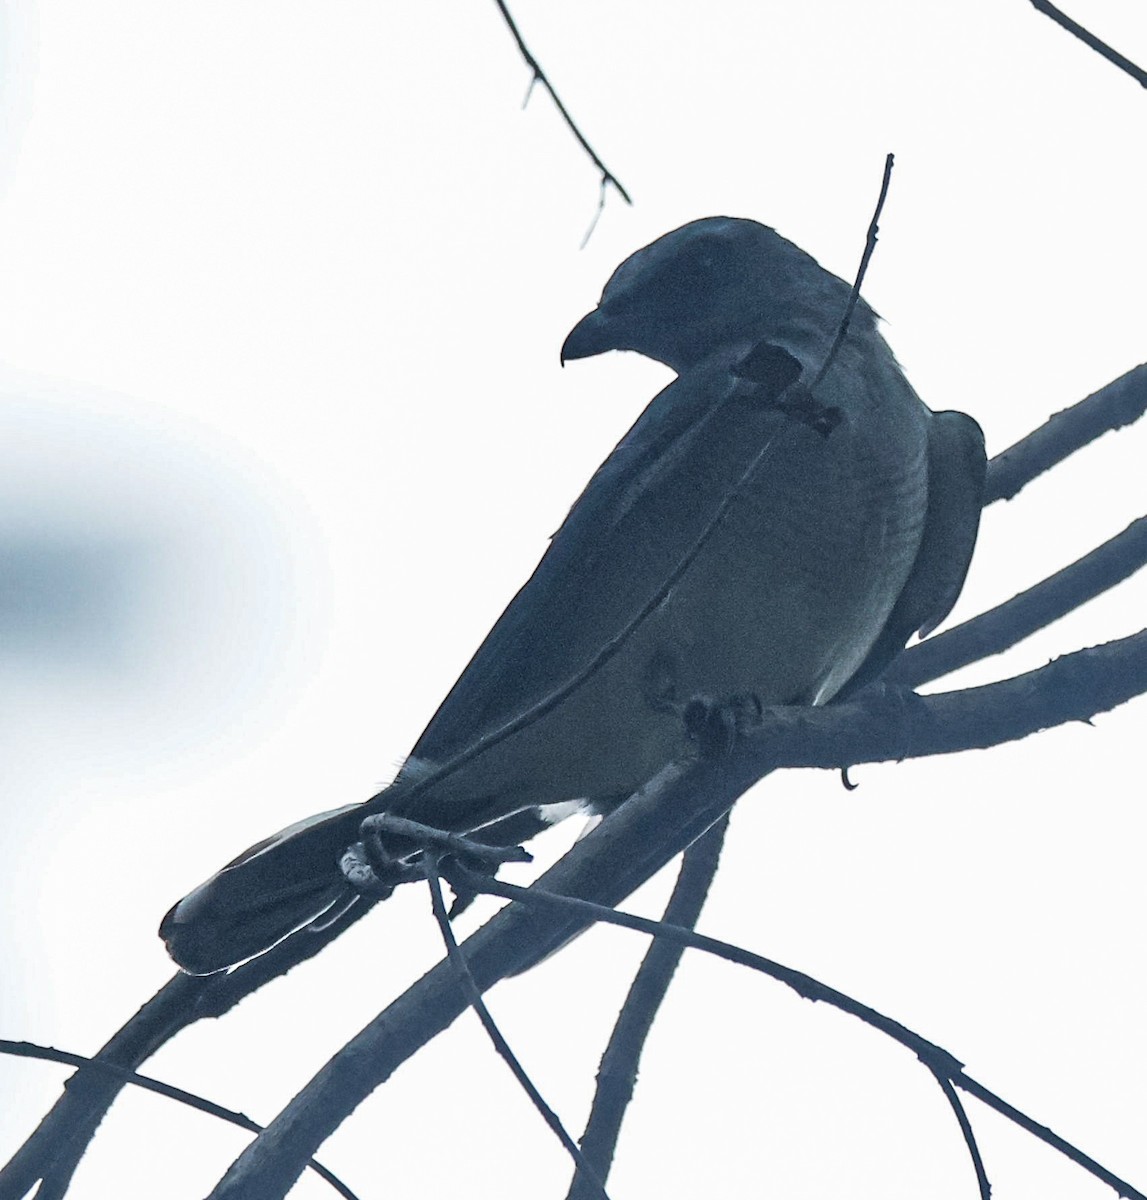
772,530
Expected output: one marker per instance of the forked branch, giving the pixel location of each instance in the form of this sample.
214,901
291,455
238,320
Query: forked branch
653,827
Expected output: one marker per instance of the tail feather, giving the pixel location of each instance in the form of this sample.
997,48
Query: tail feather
292,881
277,886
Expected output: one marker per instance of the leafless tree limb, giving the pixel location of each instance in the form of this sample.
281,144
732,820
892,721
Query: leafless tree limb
617,1074
1089,39
1000,628
608,178
655,825
943,1065
1120,403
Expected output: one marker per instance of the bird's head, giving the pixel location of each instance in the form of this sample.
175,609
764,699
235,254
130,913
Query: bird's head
712,284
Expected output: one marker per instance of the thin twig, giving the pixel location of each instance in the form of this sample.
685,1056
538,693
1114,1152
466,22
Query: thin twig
974,1088
969,1134
122,1076
1088,38
474,997
608,178
854,295
617,1074
939,1061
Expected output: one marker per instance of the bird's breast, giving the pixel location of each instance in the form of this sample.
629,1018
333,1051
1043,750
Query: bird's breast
790,585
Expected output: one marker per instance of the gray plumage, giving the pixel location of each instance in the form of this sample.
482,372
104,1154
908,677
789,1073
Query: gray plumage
748,537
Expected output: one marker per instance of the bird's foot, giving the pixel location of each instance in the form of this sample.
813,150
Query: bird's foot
374,867
717,724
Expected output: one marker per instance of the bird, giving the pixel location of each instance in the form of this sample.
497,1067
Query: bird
776,525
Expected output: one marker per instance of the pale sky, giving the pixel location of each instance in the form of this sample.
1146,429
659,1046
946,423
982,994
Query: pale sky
282,288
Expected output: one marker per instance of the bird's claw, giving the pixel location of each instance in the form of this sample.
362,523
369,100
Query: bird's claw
717,725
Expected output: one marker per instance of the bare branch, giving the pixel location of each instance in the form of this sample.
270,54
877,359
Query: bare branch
651,828
1120,403
608,179
617,1074
1089,39
942,1064
1000,628
1049,1137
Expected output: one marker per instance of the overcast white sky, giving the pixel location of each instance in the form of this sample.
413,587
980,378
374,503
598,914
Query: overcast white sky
282,287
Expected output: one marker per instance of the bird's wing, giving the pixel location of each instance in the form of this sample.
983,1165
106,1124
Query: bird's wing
618,545
956,467
957,464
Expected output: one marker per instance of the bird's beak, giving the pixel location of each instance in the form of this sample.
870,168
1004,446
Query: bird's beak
593,334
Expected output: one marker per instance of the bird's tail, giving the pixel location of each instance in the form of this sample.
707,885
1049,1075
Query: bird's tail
281,884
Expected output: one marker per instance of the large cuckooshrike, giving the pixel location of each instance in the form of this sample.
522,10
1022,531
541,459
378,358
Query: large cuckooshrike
767,529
